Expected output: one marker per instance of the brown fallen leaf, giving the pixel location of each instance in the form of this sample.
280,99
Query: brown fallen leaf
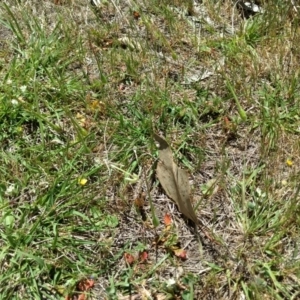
167,220
174,181
129,258
136,15
143,257
82,287
139,201
139,204
180,253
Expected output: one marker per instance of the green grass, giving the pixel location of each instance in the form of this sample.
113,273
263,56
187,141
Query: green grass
84,89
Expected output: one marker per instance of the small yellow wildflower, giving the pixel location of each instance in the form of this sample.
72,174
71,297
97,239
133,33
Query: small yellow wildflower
289,162
97,105
82,181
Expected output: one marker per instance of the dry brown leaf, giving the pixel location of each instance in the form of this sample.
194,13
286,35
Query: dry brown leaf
129,258
180,253
167,220
174,181
82,287
143,257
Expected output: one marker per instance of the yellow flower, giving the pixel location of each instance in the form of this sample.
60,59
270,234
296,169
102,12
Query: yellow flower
289,162
82,181
94,105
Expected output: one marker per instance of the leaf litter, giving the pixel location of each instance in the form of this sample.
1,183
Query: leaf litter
174,180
